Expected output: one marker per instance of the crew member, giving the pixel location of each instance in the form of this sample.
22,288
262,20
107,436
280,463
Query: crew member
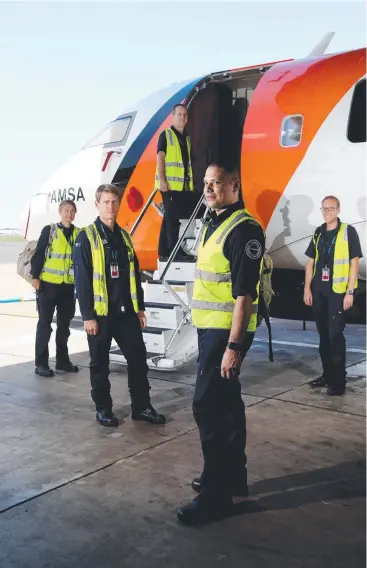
53,279
174,179
330,281
224,309
111,301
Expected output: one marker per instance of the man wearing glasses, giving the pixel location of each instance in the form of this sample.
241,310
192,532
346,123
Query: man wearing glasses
330,282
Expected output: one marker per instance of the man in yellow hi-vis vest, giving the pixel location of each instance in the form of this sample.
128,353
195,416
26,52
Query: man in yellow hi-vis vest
224,309
174,179
111,301
330,282
53,280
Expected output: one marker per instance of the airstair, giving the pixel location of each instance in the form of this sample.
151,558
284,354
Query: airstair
170,338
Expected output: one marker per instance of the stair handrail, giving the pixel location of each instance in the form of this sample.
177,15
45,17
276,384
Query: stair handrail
142,212
178,244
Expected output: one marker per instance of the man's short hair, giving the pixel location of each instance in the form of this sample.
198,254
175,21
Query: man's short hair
229,169
67,202
232,172
332,197
178,105
106,188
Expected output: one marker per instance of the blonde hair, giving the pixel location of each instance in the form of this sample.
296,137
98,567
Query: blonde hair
106,188
332,197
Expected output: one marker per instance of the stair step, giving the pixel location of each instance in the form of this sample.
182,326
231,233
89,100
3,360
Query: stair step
177,272
182,350
154,361
155,292
156,340
163,316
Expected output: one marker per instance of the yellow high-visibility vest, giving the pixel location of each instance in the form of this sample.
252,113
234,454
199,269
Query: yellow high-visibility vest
212,302
341,265
58,266
99,274
174,166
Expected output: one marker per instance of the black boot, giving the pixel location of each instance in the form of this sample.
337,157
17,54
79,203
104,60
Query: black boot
241,490
44,371
107,418
67,367
319,382
149,414
204,510
336,391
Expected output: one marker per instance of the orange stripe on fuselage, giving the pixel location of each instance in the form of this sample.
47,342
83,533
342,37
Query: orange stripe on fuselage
309,87
147,233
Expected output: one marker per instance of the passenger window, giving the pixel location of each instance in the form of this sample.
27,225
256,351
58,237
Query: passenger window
357,116
116,132
291,130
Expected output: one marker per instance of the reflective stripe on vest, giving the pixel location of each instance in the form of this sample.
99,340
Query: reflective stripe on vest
212,301
341,263
174,166
57,268
99,274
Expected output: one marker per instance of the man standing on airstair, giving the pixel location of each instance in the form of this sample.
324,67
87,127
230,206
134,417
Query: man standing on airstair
175,181
224,309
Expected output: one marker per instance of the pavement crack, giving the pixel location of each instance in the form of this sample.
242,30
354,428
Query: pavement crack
95,471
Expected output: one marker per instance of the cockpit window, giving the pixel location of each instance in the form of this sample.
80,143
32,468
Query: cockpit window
291,130
116,132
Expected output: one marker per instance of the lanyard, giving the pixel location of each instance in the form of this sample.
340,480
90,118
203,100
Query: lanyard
70,241
113,251
330,247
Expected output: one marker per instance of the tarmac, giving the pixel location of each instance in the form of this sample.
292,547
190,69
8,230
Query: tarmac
75,494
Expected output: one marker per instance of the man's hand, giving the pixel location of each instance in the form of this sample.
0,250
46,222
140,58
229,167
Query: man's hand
164,186
91,327
36,283
142,319
307,297
348,302
231,363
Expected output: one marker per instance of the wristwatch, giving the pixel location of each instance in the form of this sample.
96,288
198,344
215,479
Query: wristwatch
350,292
234,346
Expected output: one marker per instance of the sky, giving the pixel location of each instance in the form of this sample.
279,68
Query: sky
67,69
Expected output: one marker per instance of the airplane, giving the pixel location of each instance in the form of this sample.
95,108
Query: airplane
298,130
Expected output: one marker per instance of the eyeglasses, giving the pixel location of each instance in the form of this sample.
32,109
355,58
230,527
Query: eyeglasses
327,209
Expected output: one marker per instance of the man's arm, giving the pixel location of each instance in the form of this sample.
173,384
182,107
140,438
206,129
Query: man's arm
231,361
307,294
311,253
241,317
139,288
83,270
244,249
353,275
38,259
161,165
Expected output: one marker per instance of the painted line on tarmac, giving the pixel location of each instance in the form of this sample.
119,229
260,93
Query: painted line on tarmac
299,344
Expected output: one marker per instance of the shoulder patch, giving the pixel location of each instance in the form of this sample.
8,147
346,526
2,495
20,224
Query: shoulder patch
253,249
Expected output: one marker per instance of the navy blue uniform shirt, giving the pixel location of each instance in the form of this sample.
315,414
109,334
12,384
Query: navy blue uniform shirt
244,248
118,289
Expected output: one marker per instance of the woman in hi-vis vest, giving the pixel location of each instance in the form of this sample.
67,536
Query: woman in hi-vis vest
53,280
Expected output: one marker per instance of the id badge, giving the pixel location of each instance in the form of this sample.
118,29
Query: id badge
325,277
114,271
